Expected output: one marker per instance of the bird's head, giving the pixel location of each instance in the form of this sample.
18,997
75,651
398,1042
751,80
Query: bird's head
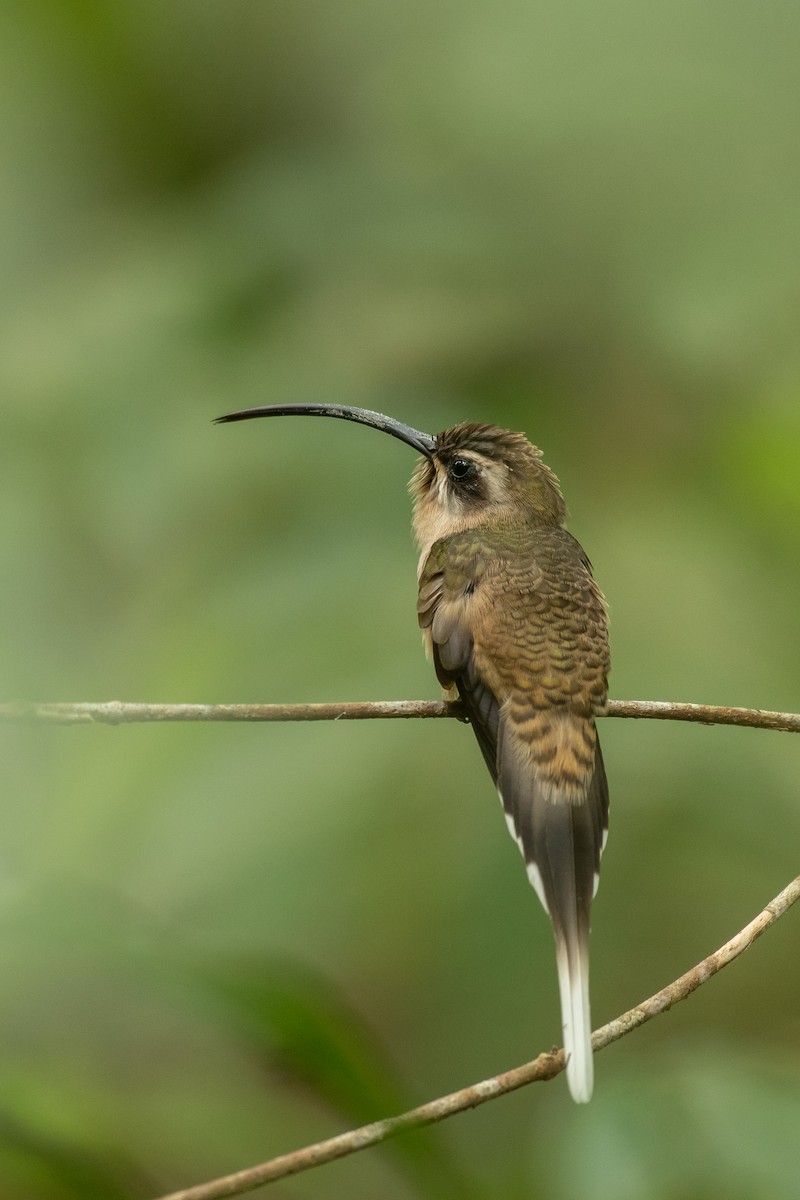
475,471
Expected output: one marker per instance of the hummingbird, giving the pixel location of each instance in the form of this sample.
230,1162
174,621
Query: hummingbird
517,630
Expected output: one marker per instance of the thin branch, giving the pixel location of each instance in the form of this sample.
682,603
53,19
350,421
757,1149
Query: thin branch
119,712
546,1066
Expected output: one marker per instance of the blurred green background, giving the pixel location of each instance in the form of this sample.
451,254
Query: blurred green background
221,942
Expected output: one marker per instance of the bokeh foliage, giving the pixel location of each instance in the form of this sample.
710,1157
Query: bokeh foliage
220,943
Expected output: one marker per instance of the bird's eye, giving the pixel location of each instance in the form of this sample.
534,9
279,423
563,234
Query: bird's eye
460,468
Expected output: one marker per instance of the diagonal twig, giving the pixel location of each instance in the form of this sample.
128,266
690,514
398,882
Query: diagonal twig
546,1066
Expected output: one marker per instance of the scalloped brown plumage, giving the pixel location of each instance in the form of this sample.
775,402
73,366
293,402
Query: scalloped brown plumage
516,624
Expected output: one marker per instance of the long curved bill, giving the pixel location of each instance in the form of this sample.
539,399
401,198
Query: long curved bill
423,442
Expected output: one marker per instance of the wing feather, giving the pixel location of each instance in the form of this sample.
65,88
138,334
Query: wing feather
445,616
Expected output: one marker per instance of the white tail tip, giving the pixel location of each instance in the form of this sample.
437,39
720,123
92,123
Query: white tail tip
573,982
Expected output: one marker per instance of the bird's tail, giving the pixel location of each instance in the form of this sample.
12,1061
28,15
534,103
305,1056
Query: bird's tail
564,847
559,821
572,961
